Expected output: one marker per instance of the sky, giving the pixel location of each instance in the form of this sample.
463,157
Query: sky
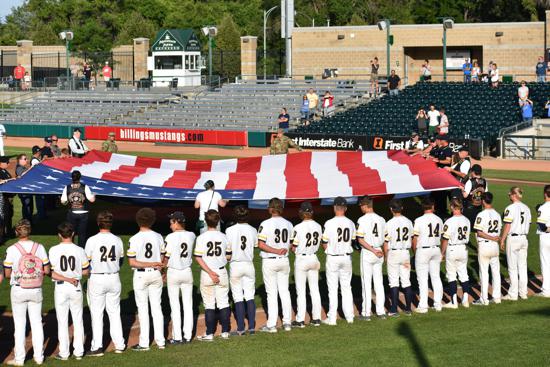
5,7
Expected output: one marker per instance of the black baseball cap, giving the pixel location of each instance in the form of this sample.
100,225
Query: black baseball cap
4,159
48,139
306,207
177,216
442,137
463,148
35,149
340,201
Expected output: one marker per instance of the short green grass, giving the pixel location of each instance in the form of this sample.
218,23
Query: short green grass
536,176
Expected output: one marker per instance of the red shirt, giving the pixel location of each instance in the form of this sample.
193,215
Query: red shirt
107,71
19,72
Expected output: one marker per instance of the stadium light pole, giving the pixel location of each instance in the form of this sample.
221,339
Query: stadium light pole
210,31
448,23
266,15
385,24
67,36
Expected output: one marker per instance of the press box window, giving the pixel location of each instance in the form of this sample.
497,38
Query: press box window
168,62
191,62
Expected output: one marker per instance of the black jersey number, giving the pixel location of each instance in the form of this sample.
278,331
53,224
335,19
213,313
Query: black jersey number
243,243
184,250
375,230
107,255
312,239
522,217
148,250
402,234
344,235
214,248
462,233
67,263
493,226
281,235
434,231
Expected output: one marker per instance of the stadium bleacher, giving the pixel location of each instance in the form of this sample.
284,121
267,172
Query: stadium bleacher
474,110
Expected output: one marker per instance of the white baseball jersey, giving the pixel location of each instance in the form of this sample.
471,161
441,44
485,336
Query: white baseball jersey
338,234
399,232
208,199
488,222
69,260
2,131
372,228
543,217
519,217
104,251
457,230
242,239
179,249
276,233
428,228
147,246
307,237
213,247
13,256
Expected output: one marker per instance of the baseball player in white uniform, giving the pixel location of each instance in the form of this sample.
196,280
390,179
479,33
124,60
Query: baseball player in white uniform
487,226
69,264
426,245
25,300
306,240
2,136
517,218
399,232
370,234
243,238
206,200
212,254
145,255
456,234
274,242
337,237
179,277
105,253
543,230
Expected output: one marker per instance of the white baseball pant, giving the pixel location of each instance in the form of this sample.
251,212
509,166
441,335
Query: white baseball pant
456,262
215,294
488,253
306,271
339,270
243,281
516,257
276,272
67,298
2,146
23,300
545,263
148,290
399,268
181,280
428,265
104,295
371,272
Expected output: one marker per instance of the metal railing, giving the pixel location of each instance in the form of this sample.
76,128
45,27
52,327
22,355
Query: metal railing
526,147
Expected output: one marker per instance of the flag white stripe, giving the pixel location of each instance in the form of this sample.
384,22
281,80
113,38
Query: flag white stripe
98,169
397,176
270,180
331,181
220,180
224,165
173,164
153,177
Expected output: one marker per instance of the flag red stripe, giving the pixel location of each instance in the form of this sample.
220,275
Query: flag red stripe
148,162
199,166
300,182
124,174
363,180
183,179
245,175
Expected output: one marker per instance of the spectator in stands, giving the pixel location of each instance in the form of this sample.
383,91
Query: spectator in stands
426,71
527,110
107,72
284,119
421,120
54,147
414,145
46,150
304,111
494,75
76,145
394,81
541,69
87,72
443,128
547,108
467,70
27,81
328,104
313,99
374,66
523,93
27,205
476,72
433,116
18,75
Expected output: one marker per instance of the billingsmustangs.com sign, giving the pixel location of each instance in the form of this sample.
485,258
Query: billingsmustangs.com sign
169,136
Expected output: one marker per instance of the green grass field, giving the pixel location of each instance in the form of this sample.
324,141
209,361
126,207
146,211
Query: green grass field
506,334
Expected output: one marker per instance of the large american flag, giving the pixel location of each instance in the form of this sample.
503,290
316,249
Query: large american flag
305,175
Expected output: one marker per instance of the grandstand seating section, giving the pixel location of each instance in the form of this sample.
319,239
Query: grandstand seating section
476,110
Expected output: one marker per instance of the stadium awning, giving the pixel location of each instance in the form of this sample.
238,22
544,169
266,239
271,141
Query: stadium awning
305,175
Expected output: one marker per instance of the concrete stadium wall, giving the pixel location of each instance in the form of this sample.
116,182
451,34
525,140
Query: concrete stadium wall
40,131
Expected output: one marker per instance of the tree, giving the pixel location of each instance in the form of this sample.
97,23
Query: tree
134,26
228,42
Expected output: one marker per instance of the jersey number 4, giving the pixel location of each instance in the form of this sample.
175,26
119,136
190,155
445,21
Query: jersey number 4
214,248
107,255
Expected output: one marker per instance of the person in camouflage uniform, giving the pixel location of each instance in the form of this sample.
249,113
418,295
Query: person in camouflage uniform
282,143
109,145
